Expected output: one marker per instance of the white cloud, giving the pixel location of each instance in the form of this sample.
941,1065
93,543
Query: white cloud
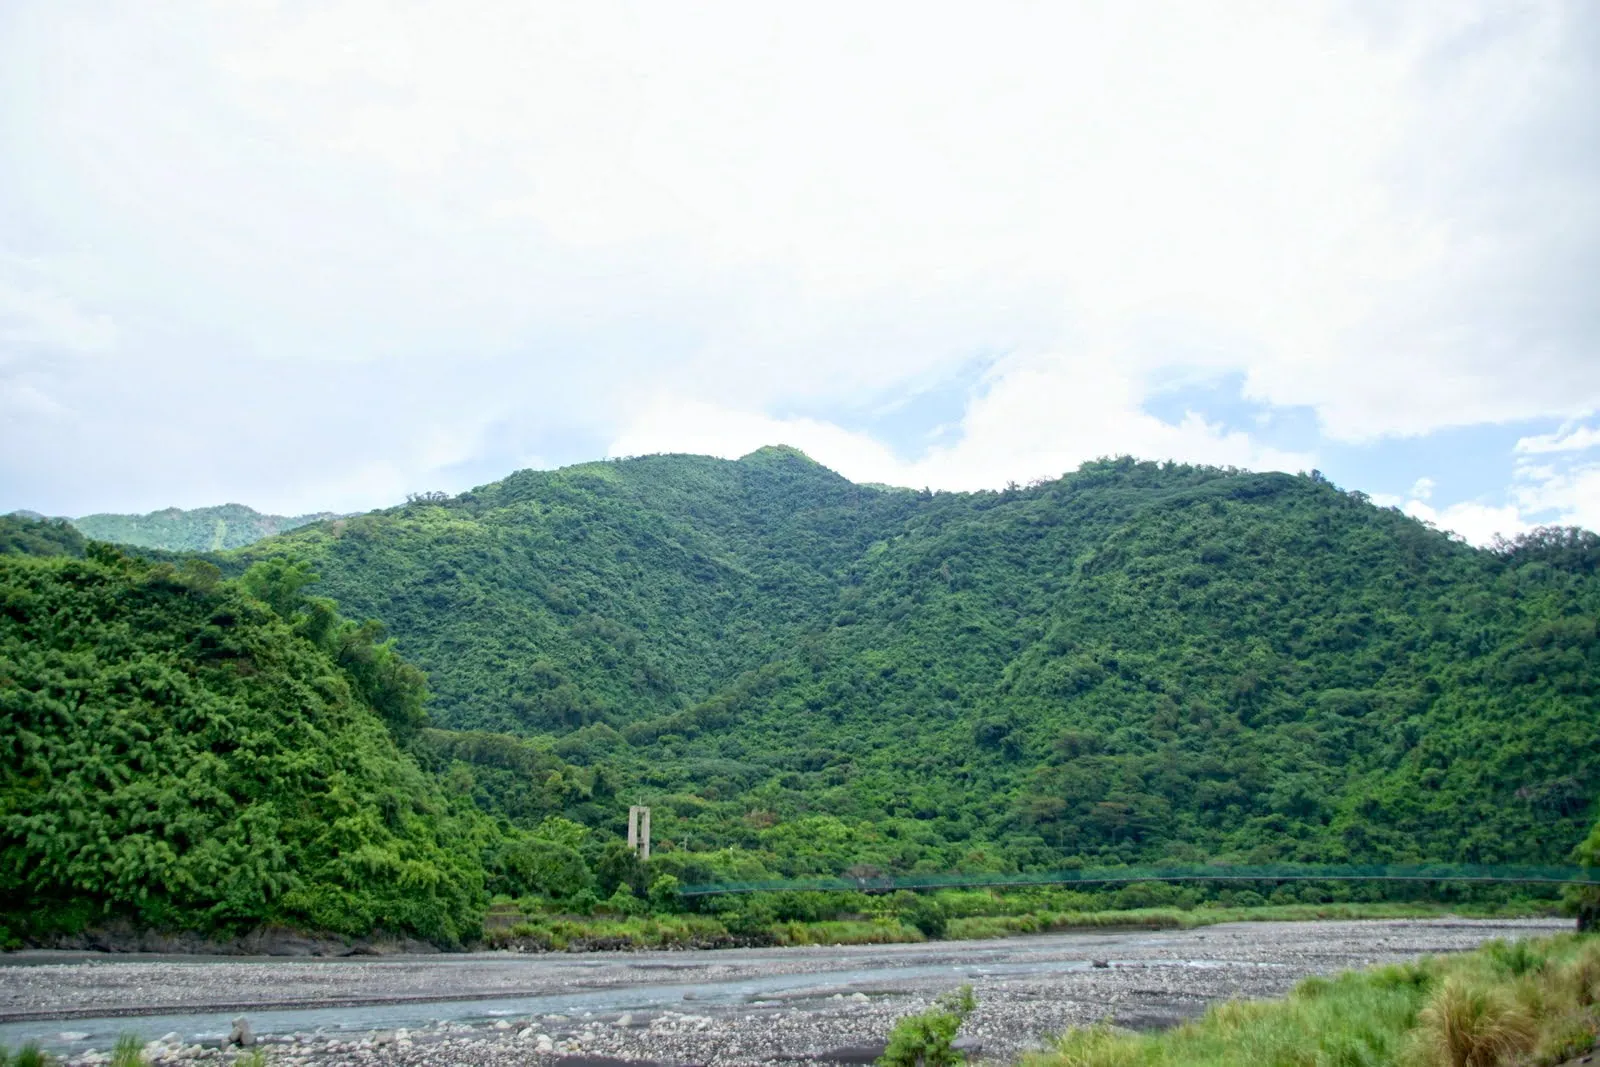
34,318
1478,523
1039,417
545,217
1567,439
1571,495
1561,492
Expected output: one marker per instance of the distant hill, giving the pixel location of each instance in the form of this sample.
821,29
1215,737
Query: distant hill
199,530
1135,662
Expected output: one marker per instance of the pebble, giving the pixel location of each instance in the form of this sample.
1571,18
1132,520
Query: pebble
1153,984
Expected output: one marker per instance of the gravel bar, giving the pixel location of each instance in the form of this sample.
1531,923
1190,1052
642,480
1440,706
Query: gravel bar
738,1006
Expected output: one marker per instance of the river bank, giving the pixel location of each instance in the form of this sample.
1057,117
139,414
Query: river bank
738,1006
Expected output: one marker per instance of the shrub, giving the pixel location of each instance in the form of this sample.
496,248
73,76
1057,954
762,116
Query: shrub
623,902
1462,1026
925,1040
664,894
1515,958
923,912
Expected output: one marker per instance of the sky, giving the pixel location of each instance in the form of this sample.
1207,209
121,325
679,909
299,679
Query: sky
316,256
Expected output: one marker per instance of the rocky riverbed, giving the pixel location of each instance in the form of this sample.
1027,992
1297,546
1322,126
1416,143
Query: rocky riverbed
745,1006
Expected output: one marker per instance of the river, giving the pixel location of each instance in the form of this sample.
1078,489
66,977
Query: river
729,1006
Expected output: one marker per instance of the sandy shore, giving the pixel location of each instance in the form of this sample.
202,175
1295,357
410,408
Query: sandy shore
742,1006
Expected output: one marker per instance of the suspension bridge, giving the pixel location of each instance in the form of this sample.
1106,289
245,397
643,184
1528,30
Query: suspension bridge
1277,872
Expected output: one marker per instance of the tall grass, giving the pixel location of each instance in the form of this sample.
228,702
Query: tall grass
1524,1004
129,1052
27,1056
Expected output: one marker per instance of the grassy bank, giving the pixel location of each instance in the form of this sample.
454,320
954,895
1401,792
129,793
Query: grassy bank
1520,1004
1177,919
513,929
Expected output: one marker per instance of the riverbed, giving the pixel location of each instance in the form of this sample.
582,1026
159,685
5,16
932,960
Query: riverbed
736,1006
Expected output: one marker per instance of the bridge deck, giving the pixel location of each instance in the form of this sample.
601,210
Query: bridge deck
1436,872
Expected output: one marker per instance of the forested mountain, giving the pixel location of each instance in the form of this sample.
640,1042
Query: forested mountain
198,530
1134,662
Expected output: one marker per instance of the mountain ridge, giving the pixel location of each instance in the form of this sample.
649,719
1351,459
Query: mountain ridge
208,529
998,678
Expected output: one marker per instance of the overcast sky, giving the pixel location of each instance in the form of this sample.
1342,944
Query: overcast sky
314,256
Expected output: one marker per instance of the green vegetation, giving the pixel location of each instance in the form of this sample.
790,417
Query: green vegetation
176,754
1522,1003
39,537
1135,663
128,1052
925,1040
200,530
27,1056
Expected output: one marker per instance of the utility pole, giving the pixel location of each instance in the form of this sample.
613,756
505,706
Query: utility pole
639,830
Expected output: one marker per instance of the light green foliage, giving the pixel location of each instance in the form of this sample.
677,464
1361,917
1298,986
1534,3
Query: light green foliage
129,1052
623,902
924,1040
178,754
664,893
199,530
561,831
28,1055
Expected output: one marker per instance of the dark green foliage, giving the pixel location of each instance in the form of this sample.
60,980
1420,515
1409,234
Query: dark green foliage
1586,901
200,530
177,754
1135,662
23,536
923,912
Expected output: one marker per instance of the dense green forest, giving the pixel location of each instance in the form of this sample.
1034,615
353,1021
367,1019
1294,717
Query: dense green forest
197,530
1136,662
177,753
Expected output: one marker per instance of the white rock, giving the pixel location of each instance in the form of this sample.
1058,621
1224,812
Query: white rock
501,1024
73,1035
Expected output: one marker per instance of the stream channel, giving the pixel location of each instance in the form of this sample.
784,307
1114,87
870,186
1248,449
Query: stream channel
1027,987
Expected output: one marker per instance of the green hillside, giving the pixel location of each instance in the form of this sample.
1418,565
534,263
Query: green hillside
177,754
1134,662
199,530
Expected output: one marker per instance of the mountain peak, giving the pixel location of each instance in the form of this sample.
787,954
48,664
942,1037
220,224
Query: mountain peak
783,453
